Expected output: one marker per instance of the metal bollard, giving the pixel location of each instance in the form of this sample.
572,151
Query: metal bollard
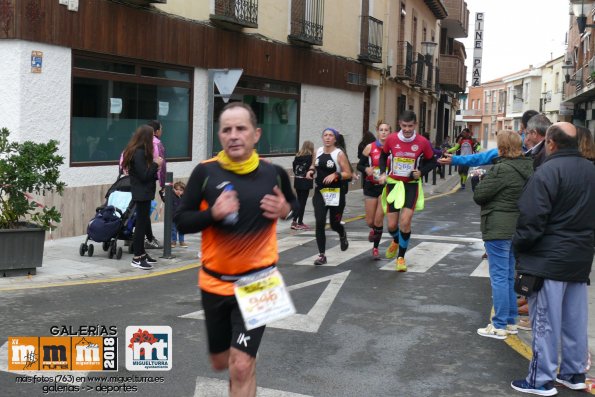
450,169
167,216
442,171
434,176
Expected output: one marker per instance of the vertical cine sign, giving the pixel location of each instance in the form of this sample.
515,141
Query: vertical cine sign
477,49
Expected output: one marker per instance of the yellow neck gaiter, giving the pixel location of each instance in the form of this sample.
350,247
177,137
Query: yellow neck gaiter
241,168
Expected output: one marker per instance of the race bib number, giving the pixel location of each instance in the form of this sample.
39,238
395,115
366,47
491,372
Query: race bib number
376,173
263,298
331,196
403,166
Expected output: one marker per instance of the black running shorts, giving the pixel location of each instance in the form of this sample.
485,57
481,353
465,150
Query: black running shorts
225,325
372,190
411,192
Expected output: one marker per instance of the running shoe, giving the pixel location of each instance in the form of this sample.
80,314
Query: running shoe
375,254
547,389
302,226
401,266
492,332
574,382
321,260
344,242
371,236
149,259
392,250
183,244
141,263
174,244
294,226
511,329
524,323
152,244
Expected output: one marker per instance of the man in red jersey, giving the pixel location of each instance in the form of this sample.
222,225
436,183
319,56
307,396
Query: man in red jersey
411,157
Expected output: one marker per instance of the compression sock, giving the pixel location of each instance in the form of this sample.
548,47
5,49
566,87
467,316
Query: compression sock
463,179
403,243
395,235
377,236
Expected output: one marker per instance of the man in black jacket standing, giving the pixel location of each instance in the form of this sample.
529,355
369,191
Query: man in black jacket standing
535,137
554,242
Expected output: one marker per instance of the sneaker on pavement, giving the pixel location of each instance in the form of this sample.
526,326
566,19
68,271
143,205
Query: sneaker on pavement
375,254
183,244
511,329
344,242
574,382
294,225
524,323
392,250
303,226
321,260
141,263
401,266
371,236
491,332
547,389
174,244
462,186
152,244
149,259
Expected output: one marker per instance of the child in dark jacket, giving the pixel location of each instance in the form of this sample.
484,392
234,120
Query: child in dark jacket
176,236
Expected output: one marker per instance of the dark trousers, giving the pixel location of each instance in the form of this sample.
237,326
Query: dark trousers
302,196
143,221
320,210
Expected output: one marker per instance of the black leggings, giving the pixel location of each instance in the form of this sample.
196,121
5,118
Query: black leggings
140,228
320,214
302,196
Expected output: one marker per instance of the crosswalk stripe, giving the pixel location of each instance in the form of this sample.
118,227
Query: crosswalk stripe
335,256
423,256
483,270
385,236
209,387
292,241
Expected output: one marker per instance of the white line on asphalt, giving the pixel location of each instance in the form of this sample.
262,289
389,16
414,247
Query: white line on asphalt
74,374
423,256
292,242
483,270
311,321
335,256
210,387
385,236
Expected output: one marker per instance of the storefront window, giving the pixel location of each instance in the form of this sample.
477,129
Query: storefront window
277,109
110,99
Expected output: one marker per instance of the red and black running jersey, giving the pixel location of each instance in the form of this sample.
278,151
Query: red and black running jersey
249,244
406,156
467,146
374,162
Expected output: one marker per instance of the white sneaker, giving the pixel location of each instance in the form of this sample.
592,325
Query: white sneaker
492,332
511,329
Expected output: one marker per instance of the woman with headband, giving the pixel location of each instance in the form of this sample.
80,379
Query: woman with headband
330,167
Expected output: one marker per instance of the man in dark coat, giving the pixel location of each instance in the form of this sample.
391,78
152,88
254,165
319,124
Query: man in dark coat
554,241
535,138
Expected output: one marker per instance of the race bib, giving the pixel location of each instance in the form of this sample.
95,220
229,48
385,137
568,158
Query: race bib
376,173
263,298
403,166
331,196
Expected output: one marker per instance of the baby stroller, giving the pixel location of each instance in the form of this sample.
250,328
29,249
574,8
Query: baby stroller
113,221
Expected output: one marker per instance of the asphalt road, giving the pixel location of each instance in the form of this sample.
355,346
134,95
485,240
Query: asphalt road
362,331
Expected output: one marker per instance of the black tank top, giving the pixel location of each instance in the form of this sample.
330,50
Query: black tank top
325,166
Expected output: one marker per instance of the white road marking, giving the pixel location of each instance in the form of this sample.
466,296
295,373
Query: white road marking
386,237
290,242
335,256
210,387
483,270
423,256
4,368
311,321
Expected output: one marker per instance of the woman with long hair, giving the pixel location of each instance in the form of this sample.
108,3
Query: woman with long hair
302,185
142,167
369,166
586,146
497,194
329,166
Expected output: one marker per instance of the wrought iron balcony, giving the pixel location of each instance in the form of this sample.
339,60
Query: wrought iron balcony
418,81
371,40
306,22
404,60
234,14
145,3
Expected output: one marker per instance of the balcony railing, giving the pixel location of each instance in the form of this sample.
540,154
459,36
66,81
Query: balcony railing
371,40
419,71
307,22
236,13
430,81
452,73
404,60
144,3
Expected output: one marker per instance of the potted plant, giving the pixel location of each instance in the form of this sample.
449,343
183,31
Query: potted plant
26,168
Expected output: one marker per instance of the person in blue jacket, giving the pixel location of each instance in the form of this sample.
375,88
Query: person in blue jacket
470,160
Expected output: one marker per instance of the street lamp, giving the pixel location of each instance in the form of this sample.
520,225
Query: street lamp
581,8
567,69
428,48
